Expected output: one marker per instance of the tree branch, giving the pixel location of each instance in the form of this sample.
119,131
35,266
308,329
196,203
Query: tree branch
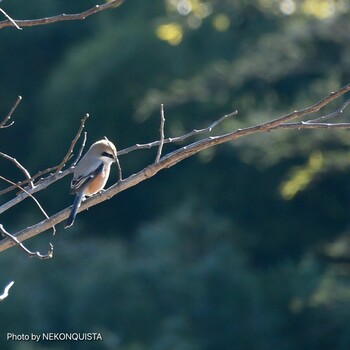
41,185
182,138
51,178
18,165
10,19
5,294
15,241
8,117
161,132
30,195
177,156
75,140
10,22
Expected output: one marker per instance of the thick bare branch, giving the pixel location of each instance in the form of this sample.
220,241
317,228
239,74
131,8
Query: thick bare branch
180,154
10,22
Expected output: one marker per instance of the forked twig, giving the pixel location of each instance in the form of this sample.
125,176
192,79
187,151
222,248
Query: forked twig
10,19
19,166
24,182
182,138
331,115
5,294
6,234
8,117
31,196
75,140
55,169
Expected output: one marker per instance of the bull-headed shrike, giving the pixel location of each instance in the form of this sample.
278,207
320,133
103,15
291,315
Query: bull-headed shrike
91,173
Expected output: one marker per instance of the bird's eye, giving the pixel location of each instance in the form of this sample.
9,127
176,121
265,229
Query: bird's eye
108,155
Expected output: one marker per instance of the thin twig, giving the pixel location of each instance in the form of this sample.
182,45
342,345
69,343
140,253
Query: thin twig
5,294
120,173
62,17
57,168
331,115
41,185
80,150
19,166
6,234
306,111
75,140
217,122
10,19
161,132
178,138
307,125
31,196
20,183
8,117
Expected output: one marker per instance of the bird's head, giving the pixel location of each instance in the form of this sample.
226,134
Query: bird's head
104,150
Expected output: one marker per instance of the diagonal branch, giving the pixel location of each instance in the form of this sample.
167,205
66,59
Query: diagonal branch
20,183
5,294
10,19
177,156
8,117
38,187
54,176
30,195
55,169
15,241
60,18
19,166
49,180
75,140
161,131
331,115
182,138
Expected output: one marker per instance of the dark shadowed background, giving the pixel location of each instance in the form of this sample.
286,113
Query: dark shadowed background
244,246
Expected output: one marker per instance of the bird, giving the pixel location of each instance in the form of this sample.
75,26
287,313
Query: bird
91,174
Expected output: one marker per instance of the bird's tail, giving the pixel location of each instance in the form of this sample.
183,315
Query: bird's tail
75,207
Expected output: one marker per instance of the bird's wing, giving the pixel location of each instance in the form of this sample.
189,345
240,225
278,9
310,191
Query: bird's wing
82,181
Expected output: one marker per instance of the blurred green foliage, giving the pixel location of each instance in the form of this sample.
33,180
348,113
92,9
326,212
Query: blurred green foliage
236,248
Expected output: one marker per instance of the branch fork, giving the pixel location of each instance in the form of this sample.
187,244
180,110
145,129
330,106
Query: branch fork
170,159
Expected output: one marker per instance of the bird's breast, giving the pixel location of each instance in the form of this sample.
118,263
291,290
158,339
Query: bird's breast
98,183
